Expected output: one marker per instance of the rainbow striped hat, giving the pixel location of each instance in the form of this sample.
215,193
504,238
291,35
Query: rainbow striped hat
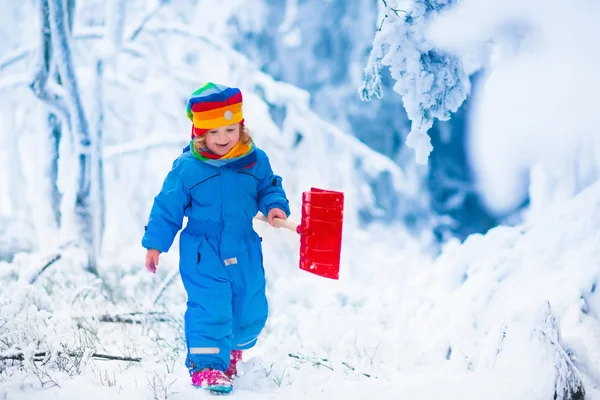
213,106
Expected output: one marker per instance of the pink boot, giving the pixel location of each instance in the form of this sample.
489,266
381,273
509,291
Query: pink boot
213,380
236,355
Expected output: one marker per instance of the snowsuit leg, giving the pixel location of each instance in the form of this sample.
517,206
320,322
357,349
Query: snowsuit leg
209,317
250,307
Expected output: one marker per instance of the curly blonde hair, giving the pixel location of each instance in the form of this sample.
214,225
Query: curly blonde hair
245,138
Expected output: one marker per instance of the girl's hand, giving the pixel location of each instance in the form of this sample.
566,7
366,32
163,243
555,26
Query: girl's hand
275,213
152,260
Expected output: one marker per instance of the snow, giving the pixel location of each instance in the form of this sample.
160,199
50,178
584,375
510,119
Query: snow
536,104
484,302
512,314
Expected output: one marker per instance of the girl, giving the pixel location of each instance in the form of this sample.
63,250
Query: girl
219,182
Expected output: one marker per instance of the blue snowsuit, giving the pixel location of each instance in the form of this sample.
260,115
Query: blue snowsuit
221,261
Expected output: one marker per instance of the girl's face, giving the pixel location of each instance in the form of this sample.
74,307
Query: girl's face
221,140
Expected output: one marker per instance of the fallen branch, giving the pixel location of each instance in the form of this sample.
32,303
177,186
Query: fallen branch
136,318
116,358
40,356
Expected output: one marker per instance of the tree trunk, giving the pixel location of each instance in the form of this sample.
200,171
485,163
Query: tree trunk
80,129
97,157
47,218
55,131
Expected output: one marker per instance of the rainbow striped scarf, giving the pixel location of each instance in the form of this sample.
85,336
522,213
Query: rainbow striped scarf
239,151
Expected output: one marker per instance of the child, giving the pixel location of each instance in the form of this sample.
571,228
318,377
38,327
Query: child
219,182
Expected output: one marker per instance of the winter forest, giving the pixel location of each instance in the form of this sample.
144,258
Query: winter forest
463,134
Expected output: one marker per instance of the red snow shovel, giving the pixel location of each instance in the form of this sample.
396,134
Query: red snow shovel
320,231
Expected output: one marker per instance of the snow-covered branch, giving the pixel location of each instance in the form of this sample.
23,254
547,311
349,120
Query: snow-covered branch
15,56
432,83
568,383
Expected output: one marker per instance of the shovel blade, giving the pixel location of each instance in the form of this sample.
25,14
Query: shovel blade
321,232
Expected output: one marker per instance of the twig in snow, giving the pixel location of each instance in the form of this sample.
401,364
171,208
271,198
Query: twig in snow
320,362
52,260
316,362
160,387
345,364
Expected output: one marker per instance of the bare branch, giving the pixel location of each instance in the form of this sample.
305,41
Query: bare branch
15,56
147,18
394,10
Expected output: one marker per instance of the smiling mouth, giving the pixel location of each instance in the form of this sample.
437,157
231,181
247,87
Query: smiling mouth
222,145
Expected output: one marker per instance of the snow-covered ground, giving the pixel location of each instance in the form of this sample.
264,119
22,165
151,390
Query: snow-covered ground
512,314
474,323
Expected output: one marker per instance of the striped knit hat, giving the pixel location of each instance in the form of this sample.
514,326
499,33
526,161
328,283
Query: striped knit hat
213,106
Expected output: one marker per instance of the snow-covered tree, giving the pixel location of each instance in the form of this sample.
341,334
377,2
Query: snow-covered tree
432,82
79,126
46,85
533,137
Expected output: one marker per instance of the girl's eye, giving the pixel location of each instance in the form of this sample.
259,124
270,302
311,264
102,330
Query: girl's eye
230,129
212,132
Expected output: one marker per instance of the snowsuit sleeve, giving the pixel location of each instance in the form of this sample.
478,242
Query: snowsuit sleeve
166,216
270,191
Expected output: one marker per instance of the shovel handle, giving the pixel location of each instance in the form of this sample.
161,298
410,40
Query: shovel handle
279,223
